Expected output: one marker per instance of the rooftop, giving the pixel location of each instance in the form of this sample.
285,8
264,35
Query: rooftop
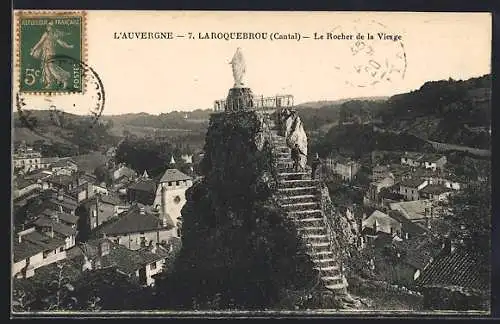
420,251
411,183
65,217
125,260
60,228
61,179
458,268
132,221
45,242
63,162
435,189
382,219
25,249
174,175
147,185
412,210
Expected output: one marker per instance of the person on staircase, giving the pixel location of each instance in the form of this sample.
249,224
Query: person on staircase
315,164
295,152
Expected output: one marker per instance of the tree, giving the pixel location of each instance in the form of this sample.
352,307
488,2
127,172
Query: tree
471,222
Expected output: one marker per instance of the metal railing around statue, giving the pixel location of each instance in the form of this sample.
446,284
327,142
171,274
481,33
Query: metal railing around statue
258,103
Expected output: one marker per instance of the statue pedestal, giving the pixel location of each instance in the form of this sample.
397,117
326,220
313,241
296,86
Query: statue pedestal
239,99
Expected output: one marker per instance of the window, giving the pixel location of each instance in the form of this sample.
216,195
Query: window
153,266
61,249
177,183
177,199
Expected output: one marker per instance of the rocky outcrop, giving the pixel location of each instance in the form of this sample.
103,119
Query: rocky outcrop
236,240
292,129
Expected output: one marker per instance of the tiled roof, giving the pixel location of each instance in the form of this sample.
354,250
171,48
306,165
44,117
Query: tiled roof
147,185
46,242
383,220
111,199
419,251
132,221
39,175
65,230
458,268
61,179
409,226
65,217
413,210
435,189
25,249
174,175
411,183
125,260
63,163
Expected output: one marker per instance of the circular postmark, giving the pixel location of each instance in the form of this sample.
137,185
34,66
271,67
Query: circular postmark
90,102
376,54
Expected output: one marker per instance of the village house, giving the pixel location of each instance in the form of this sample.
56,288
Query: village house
379,222
451,281
170,194
64,166
392,223
101,208
123,170
346,168
56,228
409,188
60,201
373,193
418,211
417,253
435,192
142,264
24,187
143,191
423,160
26,159
62,182
137,227
46,162
32,250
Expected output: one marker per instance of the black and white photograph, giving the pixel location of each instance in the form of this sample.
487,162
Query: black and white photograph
201,163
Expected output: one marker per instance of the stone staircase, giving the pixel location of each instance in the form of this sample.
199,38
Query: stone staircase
300,196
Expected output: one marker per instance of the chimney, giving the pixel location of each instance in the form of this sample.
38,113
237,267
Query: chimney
164,221
19,238
142,211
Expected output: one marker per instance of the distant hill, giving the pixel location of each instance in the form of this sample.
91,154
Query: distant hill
445,111
326,103
449,111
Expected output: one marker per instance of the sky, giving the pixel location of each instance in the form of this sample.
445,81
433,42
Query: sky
163,75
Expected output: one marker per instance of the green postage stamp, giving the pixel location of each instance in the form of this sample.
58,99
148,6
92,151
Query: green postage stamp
50,48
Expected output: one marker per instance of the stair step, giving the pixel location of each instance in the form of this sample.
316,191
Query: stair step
315,235
324,260
336,286
310,211
300,204
310,228
319,244
321,253
297,188
299,197
284,174
329,268
329,278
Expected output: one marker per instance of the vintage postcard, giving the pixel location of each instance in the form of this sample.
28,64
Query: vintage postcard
204,163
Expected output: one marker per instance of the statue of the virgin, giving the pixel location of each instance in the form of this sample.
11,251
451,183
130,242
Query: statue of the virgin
239,68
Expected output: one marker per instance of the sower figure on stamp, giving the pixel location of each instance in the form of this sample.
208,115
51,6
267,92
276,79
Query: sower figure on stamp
45,50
